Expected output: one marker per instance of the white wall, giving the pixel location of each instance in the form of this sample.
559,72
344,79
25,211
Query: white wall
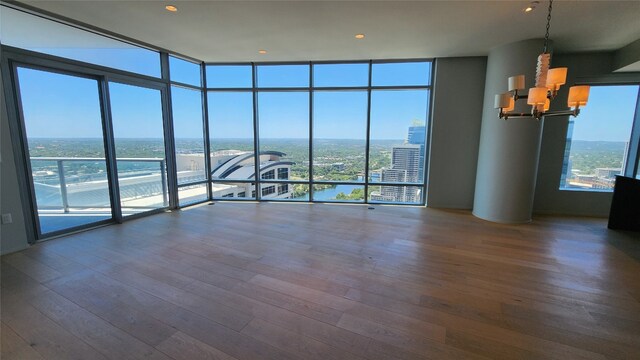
12,236
455,131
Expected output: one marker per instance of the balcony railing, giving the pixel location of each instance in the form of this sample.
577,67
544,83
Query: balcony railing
64,183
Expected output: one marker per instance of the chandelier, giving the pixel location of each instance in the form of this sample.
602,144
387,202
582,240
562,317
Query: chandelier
548,82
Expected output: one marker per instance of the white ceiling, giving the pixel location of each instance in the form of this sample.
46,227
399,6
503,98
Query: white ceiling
219,31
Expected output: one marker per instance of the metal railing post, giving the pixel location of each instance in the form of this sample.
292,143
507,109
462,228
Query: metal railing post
63,186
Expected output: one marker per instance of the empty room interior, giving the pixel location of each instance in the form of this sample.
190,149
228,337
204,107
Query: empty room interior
320,179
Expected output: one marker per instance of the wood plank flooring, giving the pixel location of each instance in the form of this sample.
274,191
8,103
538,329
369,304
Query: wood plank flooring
298,281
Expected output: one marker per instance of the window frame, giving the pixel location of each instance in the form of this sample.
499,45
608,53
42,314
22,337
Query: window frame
268,190
268,175
281,187
311,89
205,127
283,171
632,164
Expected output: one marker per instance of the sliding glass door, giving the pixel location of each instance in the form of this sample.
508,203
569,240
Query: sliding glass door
65,139
65,128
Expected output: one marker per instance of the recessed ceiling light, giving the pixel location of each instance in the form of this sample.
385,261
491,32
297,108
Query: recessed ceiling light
171,8
359,36
262,52
531,6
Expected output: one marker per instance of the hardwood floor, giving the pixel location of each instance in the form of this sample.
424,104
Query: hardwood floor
296,281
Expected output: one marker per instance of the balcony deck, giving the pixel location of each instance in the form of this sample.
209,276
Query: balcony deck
298,281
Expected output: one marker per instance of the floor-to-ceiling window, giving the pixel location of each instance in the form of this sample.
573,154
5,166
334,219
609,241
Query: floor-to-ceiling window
341,106
189,131
339,144
331,132
598,145
397,150
138,132
232,138
282,108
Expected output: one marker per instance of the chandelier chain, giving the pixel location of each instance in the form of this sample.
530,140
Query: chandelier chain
546,35
547,84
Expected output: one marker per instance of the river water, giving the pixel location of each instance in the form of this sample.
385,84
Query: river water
330,193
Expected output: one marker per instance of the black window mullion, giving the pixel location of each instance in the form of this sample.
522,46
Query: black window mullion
311,92
170,146
110,150
368,141
206,129
256,133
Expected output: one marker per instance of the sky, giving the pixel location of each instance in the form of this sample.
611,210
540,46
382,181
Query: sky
608,115
136,112
61,112
57,105
72,103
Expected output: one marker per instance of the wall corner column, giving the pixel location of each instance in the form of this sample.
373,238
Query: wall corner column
509,150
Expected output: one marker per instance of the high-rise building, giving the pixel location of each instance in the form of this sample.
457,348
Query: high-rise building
407,158
417,135
405,167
